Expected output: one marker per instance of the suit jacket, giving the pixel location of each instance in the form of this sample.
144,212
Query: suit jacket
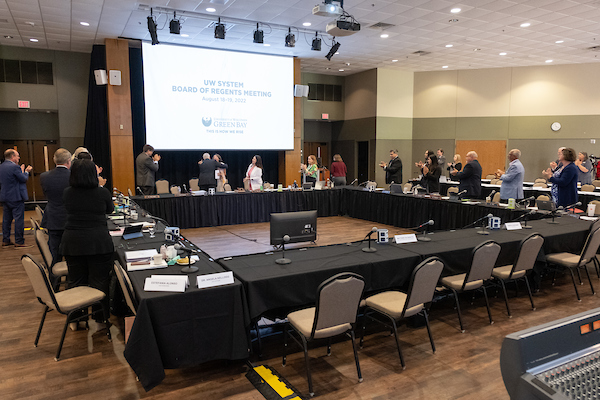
206,173
53,184
512,181
146,170
13,182
86,231
567,185
393,171
470,179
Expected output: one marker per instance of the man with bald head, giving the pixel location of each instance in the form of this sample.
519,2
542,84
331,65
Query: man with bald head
470,176
512,179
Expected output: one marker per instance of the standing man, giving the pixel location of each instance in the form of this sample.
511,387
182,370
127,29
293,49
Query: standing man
13,194
147,165
441,159
470,177
512,179
393,169
53,184
206,173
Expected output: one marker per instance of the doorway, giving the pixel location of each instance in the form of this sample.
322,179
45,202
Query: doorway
363,161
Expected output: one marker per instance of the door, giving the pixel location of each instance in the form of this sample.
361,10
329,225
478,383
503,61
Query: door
491,154
363,161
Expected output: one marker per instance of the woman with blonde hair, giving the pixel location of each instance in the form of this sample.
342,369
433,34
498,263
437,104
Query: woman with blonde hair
311,172
338,171
457,165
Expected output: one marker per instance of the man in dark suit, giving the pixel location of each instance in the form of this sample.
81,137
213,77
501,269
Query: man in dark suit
13,194
206,173
393,169
146,165
53,184
470,177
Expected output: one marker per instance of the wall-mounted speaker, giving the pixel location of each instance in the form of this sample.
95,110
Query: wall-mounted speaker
300,90
101,78
115,77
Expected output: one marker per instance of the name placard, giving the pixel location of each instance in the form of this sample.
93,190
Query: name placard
512,226
212,280
166,283
408,238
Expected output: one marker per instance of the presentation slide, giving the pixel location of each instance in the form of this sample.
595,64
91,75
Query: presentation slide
204,99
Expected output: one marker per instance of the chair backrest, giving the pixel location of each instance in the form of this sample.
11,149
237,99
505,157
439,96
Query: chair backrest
162,186
227,187
39,212
41,239
528,252
35,225
39,280
496,198
175,189
540,180
591,247
483,262
194,184
596,182
588,188
495,182
490,176
542,197
338,299
540,184
126,287
246,185
596,223
452,189
423,282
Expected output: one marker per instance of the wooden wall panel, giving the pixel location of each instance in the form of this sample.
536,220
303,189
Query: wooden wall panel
491,153
119,116
289,161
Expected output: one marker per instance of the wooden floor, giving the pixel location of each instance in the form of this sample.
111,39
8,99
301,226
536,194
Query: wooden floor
465,366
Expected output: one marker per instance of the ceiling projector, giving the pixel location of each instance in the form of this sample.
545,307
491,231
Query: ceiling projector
328,10
342,28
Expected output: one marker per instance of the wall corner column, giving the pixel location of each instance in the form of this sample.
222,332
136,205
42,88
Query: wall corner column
289,160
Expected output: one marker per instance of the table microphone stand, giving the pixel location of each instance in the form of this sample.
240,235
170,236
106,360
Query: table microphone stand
484,231
423,237
527,219
553,213
189,269
283,260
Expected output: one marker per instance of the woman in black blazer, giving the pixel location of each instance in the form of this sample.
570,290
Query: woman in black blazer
431,175
86,243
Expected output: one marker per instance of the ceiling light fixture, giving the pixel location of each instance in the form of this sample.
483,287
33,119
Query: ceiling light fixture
316,43
210,9
174,25
219,30
455,10
334,48
445,66
476,49
549,61
394,60
7,37
152,29
453,20
449,45
258,35
501,54
185,35
84,23
559,41
384,36
33,40
525,24
290,39
306,24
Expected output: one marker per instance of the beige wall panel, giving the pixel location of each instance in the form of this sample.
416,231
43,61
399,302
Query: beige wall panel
483,92
394,128
434,128
556,90
435,94
481,128
538,127
360,95
394,93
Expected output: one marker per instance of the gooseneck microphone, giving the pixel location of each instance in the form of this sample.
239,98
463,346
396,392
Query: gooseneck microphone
139,190
370,249
553,214
353,182
424,238
483,230
491,196
179,246
573,205
188,269
283,260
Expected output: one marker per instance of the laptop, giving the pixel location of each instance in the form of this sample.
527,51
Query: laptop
396,188
546,205
133,232
319,185
307,186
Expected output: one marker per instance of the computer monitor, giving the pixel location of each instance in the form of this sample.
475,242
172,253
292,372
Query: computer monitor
300,226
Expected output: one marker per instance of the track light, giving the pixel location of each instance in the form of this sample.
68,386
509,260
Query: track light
152,29
316,43
174,25
258,35
219,30
333,50
290,39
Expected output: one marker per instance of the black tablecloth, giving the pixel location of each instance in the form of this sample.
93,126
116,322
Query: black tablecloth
270,286
176,330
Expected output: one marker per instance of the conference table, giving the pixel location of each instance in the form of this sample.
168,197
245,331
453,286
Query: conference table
177,330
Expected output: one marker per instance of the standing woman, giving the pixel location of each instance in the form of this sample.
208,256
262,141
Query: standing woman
338,171
584,165
431,175
564,179
220,174
86,243
457,165
311,172
254,173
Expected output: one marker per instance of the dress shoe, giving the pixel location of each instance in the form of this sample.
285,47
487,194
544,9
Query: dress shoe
5,244
23,245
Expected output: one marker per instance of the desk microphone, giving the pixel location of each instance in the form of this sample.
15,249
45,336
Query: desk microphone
484,231
424,238
353,182
179,246
491,196
573,205
461,193
370,249
553,214
139,190
283,260
188,269
526,200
